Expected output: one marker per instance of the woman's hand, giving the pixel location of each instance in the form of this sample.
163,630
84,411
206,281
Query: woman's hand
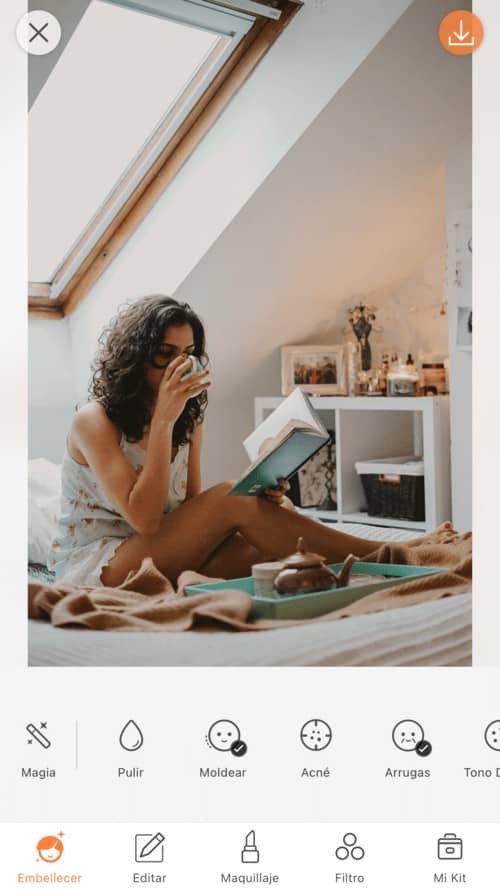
175,390
277,495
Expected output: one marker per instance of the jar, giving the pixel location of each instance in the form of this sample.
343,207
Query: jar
402,381
264,574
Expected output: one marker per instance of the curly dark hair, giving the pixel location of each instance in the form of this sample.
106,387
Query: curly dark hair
130,340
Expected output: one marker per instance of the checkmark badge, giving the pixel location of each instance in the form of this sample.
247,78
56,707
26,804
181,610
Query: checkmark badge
239,748
423,748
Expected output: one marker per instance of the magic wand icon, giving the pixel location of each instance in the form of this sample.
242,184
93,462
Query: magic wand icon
37,734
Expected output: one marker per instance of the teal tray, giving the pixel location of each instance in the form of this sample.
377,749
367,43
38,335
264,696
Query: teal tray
307,605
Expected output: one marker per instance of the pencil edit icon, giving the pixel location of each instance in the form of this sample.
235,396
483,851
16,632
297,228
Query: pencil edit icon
149,848
250,854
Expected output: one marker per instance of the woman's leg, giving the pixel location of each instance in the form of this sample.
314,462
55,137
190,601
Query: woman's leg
190,534
233,558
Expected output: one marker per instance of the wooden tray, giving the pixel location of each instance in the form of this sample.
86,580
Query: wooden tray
308,605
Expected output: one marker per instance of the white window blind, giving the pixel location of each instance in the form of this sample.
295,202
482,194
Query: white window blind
125,82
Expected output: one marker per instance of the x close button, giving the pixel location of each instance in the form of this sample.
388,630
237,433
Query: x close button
38,32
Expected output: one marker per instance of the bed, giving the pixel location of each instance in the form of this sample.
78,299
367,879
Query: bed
435,633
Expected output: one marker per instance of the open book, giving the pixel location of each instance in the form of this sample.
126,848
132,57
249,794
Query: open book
281,444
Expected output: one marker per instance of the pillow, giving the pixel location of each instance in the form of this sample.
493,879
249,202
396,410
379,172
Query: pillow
44,497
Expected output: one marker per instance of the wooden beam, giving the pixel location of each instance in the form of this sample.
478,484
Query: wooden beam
40,306
39,290
40,302
232,76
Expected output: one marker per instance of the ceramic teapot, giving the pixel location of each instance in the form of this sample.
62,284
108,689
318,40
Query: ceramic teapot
305,572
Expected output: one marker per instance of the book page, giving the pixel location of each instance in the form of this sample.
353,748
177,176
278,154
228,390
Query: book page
294,413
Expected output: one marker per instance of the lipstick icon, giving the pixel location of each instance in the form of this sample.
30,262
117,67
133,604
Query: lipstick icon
250,853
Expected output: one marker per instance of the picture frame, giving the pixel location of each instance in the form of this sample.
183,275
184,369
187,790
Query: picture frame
317,369
464,328
434,373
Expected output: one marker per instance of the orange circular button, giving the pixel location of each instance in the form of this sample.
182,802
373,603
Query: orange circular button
461,32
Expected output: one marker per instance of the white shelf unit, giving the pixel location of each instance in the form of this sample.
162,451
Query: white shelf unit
371,428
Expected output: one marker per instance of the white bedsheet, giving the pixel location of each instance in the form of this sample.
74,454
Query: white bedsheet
433,634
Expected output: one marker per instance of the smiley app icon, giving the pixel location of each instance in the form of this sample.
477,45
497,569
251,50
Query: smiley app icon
50,849
223,734
407,735
492,735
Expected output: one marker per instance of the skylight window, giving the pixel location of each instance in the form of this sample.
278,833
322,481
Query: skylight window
137,87
121,74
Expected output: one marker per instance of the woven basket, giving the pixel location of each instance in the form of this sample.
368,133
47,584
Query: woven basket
399,497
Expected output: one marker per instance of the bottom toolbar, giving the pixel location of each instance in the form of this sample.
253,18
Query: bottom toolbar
216,855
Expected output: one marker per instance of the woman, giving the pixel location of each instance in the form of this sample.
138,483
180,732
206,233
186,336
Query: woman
131,481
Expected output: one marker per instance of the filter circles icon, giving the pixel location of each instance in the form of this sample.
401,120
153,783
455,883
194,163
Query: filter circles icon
350,848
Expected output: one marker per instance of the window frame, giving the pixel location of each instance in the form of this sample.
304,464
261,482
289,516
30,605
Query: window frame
169,145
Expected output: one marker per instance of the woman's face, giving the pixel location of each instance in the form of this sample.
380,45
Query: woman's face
177,340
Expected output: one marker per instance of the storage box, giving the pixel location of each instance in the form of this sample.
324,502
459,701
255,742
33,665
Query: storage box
302,606
394,487
450,847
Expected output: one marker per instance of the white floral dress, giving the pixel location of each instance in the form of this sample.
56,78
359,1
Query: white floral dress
89,529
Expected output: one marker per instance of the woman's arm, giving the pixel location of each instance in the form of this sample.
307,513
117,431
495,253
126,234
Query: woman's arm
194,464
140,500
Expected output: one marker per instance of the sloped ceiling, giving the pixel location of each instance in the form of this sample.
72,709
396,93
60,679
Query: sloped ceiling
356,208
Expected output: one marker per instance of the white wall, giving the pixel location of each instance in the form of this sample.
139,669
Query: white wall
411,314
51,392
459,198
314,56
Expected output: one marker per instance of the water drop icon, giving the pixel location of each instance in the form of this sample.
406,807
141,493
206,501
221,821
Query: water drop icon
131,737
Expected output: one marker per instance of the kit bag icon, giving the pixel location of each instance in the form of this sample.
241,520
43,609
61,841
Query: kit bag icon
450,847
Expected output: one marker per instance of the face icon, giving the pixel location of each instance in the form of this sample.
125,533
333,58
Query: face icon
223,734
316,734
407,734
492,735
50,849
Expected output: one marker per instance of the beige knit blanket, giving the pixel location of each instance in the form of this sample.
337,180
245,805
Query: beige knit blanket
147,601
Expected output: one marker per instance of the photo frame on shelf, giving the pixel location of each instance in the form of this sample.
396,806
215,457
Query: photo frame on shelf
318,370
434,373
